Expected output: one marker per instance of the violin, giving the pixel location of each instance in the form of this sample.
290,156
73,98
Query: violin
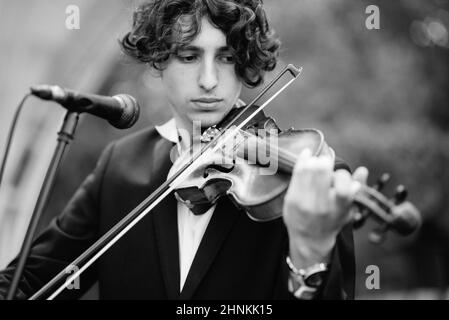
254,186
252,183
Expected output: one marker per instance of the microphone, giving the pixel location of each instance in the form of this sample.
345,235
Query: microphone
122,111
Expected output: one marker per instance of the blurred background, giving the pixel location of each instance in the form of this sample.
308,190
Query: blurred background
380,97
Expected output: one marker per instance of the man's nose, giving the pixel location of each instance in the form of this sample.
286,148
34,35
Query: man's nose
208,77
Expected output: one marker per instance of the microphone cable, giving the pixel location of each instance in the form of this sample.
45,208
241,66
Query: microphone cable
9,139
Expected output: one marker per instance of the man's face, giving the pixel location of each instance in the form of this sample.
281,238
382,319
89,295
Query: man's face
200,80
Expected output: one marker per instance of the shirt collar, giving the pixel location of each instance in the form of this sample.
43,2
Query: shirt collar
169,131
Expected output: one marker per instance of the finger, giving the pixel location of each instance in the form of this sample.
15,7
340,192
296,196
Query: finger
342,183
342,191
316,181
310,177
308,170
300,175
322,171
361,175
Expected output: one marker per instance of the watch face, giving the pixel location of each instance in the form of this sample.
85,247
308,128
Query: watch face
316,279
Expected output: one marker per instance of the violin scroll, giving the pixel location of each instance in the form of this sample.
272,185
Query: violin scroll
392,214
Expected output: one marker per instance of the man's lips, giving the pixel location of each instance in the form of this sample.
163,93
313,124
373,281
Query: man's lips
207,103
207,100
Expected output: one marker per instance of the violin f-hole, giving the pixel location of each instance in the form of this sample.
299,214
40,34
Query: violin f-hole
219,168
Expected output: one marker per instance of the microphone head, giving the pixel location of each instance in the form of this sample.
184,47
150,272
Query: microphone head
130,114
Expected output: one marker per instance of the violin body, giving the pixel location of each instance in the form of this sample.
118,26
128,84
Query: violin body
254,184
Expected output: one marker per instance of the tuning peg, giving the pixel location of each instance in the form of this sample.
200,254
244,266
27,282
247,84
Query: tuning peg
400,194
382,181
378,235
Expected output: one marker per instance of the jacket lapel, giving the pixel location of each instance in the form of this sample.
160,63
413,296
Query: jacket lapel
218,229
165,220
166,232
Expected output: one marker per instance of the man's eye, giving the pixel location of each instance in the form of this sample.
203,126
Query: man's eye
227,58
187,58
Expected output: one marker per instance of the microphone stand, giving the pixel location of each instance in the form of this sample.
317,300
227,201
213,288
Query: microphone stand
65,136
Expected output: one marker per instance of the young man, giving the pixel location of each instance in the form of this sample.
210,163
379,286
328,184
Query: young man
205,51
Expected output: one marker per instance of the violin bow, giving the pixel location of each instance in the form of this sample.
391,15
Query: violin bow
106,241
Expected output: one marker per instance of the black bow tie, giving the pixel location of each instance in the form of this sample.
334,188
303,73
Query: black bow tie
197,203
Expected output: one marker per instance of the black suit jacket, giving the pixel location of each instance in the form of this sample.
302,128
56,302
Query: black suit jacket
237,257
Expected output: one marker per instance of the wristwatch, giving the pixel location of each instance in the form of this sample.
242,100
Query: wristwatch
304,283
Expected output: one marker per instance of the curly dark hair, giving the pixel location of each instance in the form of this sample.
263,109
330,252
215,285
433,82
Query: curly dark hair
161,27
